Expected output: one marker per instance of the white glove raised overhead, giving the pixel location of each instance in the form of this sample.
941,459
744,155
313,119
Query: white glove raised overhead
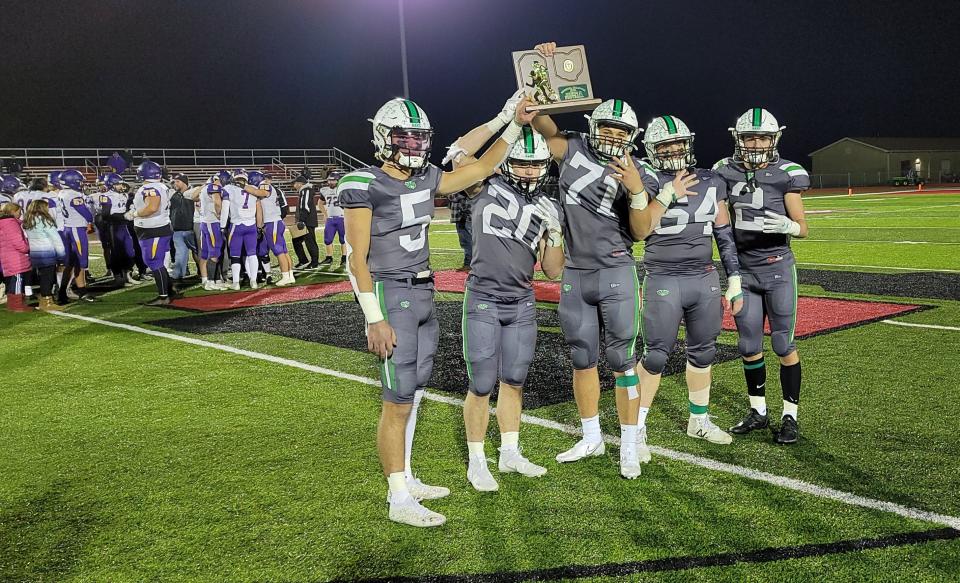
506,114
774,223
454,153
546,211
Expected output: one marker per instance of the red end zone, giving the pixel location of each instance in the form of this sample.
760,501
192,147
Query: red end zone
814,315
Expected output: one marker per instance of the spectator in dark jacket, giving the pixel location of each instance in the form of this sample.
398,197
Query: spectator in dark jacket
181,218
306,220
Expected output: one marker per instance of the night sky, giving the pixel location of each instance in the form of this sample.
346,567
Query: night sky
209,73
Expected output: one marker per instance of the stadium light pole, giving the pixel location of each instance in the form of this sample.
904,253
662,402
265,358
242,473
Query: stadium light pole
403,52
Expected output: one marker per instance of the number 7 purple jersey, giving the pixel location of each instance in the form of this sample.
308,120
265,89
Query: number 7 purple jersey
402,210
596,228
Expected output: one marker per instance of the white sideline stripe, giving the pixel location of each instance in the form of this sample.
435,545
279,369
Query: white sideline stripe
783,482
912,191
912,325
874,241
881,267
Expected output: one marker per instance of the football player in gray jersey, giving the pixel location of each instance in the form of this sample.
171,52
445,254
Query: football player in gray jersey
767,209
680,281
387,212
515,225
603,209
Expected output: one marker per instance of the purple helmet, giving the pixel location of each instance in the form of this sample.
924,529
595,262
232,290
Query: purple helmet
54,179
115,182
11,184
149,170
72,179
255,177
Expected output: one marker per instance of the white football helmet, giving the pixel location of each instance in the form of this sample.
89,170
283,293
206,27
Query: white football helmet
756,121
402,134
619,114
668,129
530,150
240,177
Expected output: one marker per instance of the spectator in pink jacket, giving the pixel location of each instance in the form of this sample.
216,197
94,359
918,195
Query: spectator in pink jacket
14,256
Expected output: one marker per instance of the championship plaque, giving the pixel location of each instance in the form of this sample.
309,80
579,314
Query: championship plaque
558,84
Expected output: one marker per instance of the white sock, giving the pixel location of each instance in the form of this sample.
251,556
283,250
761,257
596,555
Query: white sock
398,488
759,403
591,429
203,280
509,441
266,266
642,416
408,433
476,451
235,273
790,409
251,265
628,437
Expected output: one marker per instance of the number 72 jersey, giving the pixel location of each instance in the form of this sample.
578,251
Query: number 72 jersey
402,210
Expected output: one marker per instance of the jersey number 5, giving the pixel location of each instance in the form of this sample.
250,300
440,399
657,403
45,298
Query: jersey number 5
410,219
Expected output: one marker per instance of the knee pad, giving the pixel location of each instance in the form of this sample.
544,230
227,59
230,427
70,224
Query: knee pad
618,360
781,344
482,387
582,358
701,357
654,361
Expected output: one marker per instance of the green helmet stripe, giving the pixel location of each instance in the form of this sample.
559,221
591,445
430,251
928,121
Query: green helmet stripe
671,125
756,116
528,140
412,111
617,108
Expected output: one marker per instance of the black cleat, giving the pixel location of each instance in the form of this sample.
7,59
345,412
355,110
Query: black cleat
751,422
158,301
327,262
301,265
789,431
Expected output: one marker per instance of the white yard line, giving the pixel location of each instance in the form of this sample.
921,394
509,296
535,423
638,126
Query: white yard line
912,191
780,481
873,241
881,267
912,325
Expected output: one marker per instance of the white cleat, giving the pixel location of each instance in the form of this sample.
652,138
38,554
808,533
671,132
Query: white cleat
285,281
422,491
582,449
413,513
703,428
643,452
235,286
480,477
513,461
629,463
212,286
253,285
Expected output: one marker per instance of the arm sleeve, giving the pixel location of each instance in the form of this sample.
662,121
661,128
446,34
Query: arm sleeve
728,249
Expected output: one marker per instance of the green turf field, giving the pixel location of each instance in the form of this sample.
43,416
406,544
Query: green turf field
133,457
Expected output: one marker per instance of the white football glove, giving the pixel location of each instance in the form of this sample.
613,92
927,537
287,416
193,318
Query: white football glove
509,110
546,211
128,215
454,153
774,223
734,289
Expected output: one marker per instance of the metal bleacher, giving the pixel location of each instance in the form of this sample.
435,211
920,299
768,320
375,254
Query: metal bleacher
198,164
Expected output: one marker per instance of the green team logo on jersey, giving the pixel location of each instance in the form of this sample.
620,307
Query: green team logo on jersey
572,92
404,304
410,184
663,292
567,287
482,306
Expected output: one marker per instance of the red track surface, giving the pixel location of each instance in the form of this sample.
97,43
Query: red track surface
814,315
